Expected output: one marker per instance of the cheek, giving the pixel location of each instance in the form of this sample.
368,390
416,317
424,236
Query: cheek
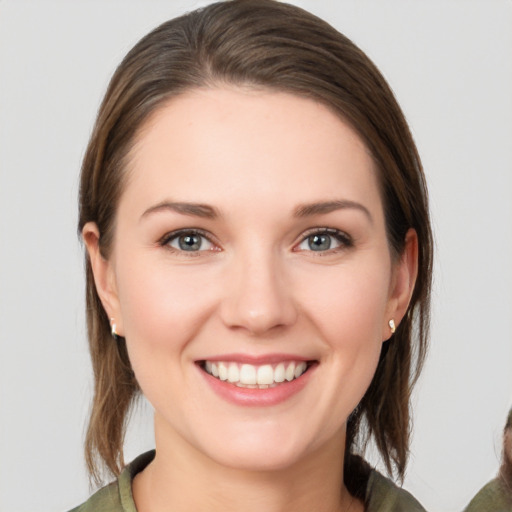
349,305
348,309
162,307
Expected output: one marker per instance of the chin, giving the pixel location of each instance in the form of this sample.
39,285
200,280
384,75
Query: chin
255,459
266,450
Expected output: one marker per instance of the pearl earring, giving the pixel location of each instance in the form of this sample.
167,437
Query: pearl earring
113,329
392,326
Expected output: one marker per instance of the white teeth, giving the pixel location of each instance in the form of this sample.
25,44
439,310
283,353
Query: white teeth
265,374
279,373
300,369
290,372
233,372
223,371
250,376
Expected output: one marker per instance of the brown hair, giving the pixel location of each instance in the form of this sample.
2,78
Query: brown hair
268,44
506,464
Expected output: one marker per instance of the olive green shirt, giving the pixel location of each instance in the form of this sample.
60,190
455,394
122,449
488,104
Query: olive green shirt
493,497
382,495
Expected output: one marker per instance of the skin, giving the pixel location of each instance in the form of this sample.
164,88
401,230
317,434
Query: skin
256,287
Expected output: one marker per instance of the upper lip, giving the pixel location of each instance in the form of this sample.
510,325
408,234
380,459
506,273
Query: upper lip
256,360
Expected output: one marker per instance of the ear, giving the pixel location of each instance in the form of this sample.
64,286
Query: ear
104,276
402,284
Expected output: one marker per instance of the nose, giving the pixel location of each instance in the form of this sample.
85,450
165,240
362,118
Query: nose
258,298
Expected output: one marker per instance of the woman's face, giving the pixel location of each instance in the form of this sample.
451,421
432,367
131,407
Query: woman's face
250,245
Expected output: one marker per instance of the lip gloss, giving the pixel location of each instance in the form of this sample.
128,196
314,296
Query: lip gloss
256,397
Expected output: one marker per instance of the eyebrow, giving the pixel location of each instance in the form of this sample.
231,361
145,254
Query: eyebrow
305,210
195,209
321,208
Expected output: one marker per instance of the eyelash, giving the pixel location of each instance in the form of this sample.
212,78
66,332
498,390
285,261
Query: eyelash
174,235
343,238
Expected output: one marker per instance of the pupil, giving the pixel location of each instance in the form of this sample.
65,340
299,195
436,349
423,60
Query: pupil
319,242
190,242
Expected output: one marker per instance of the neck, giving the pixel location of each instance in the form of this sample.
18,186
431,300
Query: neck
181,479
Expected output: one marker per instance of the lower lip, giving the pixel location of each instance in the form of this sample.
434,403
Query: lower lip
255,397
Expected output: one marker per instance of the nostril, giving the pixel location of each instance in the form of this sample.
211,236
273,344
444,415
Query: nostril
260,318
256,297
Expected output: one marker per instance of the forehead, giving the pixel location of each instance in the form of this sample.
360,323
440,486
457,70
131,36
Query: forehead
269,143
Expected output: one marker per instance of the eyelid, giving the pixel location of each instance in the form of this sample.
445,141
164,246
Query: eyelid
342,237
164,240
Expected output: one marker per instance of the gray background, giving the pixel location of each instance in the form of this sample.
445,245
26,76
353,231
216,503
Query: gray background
450,64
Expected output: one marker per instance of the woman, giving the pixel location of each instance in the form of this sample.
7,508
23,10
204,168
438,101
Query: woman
259,249
496,495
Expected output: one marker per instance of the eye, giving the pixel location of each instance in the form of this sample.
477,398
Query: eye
188,241
325,240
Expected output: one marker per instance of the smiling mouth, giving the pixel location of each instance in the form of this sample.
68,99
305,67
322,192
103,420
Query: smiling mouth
256,376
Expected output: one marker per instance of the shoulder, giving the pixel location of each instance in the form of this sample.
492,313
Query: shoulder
493,497
117,496
105,500
382,495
